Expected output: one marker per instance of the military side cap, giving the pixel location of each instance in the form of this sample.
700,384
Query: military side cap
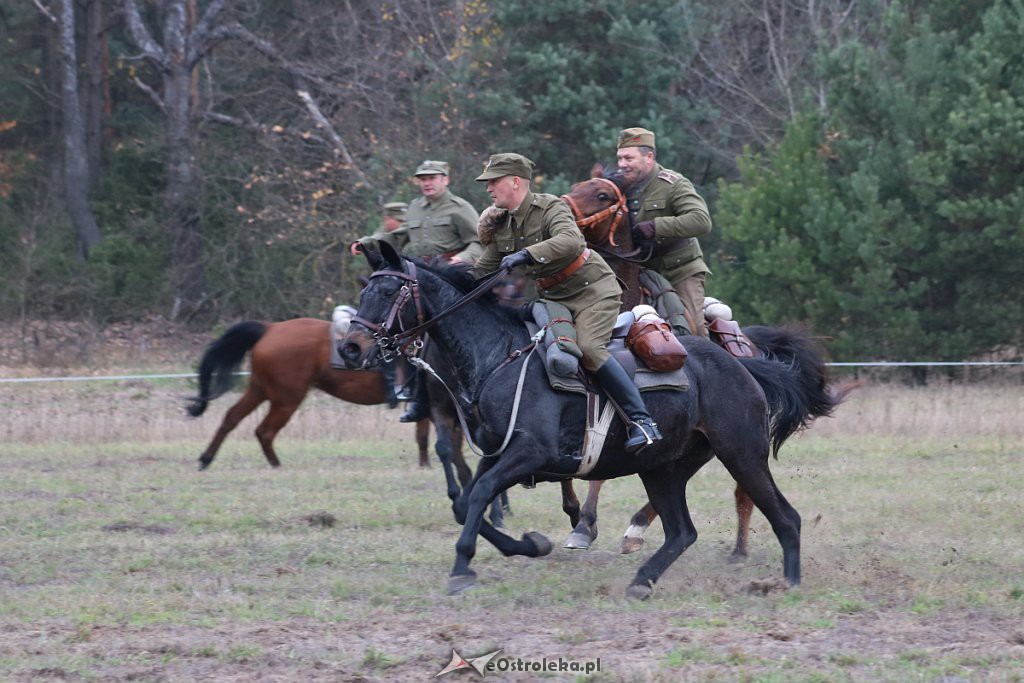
429,167
395,209
505,164
636,137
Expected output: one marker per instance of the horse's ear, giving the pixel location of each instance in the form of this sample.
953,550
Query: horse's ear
390,256
372,253
597,170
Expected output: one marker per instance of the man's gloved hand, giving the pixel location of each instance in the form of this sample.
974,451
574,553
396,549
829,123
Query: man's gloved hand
644,230
520,258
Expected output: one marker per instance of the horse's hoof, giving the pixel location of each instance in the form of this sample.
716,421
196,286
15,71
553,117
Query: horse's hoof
638,591
461,583
203,464
631,544
577,541
541,541
737,557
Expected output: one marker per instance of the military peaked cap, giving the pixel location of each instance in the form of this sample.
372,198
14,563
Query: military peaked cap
636,137
429,167
396,209
505,164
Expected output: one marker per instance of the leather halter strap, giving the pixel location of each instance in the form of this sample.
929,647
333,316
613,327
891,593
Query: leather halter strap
616,210
411,290
409,336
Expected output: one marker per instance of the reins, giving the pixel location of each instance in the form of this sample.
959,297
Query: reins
398,342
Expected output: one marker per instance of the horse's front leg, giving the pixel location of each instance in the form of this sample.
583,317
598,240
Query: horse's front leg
445,447
471,506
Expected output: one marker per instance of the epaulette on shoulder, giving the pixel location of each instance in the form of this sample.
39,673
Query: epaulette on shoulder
670,177
544,200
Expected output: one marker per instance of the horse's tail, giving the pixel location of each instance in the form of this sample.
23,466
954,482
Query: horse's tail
221,360
794,378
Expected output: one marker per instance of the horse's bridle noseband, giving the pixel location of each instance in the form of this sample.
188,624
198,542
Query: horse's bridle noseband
392,344
618,210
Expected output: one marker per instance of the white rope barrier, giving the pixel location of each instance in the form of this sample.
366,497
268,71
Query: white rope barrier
864,364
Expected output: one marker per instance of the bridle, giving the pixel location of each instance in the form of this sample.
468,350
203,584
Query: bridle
617,210
393,344
410,341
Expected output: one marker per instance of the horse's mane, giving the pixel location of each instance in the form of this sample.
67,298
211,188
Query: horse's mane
462,279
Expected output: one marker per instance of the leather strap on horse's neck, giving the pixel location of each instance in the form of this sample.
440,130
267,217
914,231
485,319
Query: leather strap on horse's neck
618,210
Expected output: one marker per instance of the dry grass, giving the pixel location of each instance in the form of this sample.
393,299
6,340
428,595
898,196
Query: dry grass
121,562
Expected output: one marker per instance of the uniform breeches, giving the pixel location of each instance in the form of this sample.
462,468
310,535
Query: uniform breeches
691,291
594,326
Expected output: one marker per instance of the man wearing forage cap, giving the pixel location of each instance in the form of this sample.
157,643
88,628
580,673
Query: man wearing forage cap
537,231
665,209
439,224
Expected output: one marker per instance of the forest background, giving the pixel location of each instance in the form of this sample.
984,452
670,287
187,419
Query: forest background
211,161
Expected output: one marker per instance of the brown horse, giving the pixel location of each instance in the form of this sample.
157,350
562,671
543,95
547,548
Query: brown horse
599,206
288,358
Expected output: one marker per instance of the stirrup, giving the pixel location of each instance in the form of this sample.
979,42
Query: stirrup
648,428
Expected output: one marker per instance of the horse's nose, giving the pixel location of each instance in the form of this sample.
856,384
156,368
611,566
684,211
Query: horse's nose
350,353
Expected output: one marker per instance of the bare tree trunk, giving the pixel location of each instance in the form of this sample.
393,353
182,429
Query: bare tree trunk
182,198
76,169
94,100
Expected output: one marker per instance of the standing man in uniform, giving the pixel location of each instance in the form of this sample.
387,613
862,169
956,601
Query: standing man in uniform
538,232
664,208
437,223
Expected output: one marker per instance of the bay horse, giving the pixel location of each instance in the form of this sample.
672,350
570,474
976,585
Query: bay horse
288,359
599,207
486,348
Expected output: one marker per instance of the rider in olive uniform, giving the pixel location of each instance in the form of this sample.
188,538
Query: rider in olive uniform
436,224
664,208
538,232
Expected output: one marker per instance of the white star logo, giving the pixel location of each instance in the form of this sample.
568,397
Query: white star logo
478,663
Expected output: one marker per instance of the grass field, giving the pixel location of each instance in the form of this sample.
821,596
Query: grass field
120,561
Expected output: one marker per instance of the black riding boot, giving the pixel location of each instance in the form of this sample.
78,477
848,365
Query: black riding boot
419,406
389,385
642,431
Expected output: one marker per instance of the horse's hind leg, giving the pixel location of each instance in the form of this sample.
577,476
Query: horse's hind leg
423,441
744,508
250,400
584,532
756,480
633,538
277,417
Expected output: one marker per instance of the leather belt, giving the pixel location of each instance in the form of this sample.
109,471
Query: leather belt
564,274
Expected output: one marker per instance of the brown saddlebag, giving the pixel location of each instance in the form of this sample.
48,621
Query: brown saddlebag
651,339
727,334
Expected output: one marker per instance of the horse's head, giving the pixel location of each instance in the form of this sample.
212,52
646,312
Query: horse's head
389,305
599,207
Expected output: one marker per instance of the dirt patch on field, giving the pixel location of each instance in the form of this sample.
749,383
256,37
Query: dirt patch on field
648,646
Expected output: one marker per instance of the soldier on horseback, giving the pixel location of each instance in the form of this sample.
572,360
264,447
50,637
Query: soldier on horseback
666,211
537,232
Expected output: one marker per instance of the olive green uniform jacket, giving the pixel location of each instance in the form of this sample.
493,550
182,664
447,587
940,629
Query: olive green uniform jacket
544,226
680,215
445,226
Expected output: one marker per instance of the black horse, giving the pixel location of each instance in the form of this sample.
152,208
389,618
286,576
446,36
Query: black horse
725,413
